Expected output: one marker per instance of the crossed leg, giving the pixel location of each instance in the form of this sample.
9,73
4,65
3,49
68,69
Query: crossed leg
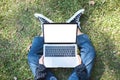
87,54
85,46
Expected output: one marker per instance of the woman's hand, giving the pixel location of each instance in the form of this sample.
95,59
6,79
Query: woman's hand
79,59
41,60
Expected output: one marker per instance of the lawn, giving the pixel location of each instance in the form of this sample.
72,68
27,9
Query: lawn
18,26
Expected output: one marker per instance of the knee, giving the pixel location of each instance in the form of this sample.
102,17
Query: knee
33,58
29,57
92,53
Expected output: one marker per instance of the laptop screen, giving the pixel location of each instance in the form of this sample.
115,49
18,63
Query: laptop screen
59,33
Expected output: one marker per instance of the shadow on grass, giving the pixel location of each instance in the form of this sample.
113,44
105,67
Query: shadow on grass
5,66
12,62
106,64
109,57
9,59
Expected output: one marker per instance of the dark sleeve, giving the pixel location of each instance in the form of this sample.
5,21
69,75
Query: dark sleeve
81,72
40,72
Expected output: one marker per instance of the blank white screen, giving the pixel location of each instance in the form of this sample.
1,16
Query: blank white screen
60,33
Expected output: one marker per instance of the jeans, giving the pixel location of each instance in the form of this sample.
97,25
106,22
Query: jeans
87,53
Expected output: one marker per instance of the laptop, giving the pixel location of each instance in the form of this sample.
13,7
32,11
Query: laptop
60,48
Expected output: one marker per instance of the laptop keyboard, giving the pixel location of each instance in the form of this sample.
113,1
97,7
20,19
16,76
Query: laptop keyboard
59,51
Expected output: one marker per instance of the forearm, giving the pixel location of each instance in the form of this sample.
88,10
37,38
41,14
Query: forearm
87,52
40,72
81,72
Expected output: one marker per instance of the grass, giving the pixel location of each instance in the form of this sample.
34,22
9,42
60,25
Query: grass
18,26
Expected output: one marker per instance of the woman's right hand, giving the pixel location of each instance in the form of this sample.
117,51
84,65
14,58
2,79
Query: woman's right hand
79,59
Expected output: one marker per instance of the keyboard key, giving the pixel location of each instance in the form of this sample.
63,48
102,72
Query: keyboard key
59,51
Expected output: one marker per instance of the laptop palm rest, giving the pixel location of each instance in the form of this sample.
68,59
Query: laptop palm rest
63,62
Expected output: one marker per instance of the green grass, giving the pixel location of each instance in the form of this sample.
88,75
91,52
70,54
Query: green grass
18,26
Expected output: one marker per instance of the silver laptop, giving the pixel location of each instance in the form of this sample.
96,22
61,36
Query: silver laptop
60,48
